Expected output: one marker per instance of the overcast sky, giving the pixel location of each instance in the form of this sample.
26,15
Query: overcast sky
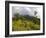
26,11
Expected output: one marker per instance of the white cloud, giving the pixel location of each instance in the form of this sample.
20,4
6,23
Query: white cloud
26,10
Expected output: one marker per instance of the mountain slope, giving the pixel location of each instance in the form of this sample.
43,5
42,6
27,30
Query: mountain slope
25,22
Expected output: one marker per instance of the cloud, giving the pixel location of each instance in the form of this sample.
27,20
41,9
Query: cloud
25,10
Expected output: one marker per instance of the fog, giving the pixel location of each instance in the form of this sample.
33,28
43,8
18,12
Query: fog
26,11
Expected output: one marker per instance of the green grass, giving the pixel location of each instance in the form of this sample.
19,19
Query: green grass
23,23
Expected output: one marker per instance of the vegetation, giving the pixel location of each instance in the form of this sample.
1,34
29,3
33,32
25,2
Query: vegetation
25,23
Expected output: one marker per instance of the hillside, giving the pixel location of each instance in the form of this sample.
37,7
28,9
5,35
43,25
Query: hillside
25,23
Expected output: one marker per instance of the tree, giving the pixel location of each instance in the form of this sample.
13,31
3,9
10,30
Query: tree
35,13
16,15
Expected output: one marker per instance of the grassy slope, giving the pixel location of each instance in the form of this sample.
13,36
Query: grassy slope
24,23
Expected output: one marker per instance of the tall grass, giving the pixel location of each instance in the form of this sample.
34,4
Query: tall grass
25,23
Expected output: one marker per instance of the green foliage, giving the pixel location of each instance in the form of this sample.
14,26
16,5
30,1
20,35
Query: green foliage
25,23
